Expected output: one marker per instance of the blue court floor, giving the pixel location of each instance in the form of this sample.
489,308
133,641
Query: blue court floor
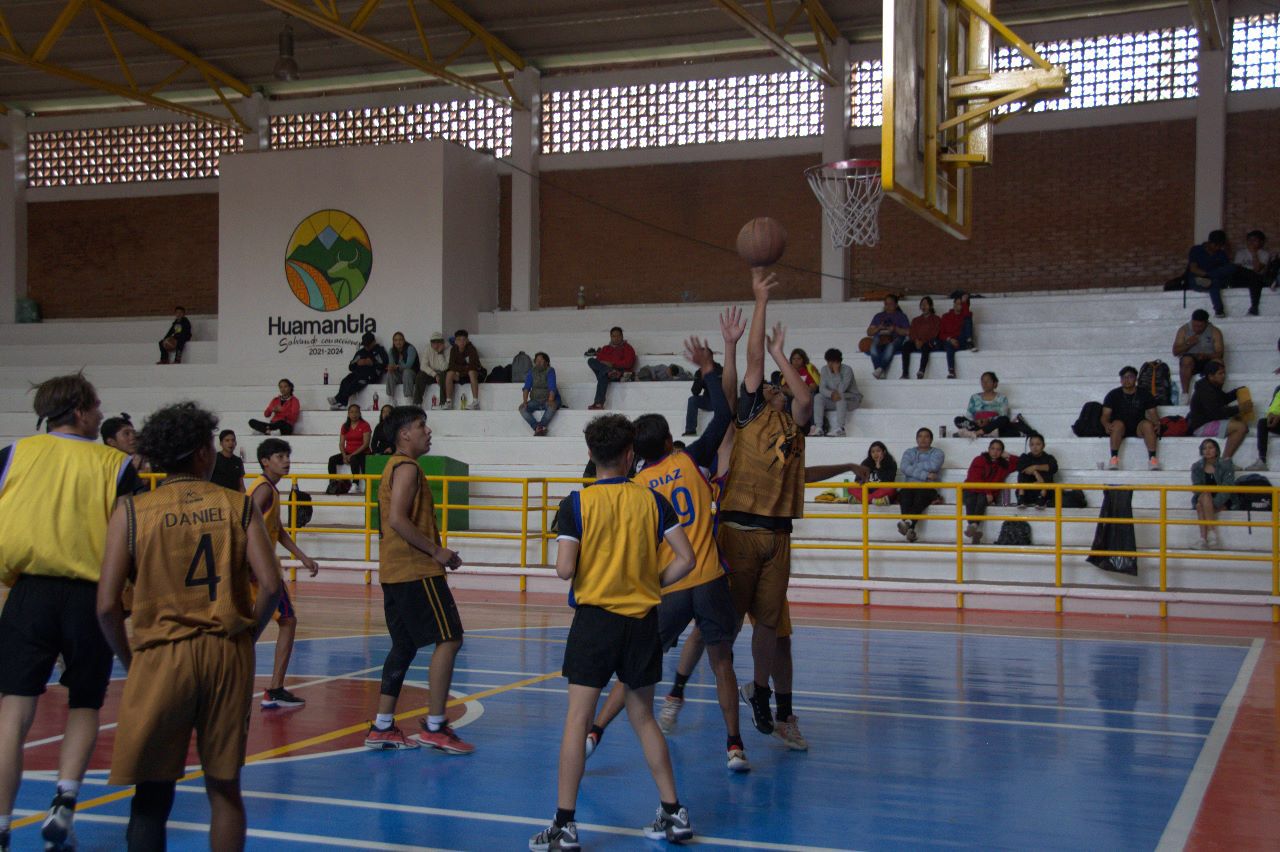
919,738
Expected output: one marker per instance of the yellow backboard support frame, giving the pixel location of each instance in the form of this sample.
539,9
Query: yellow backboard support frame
941,98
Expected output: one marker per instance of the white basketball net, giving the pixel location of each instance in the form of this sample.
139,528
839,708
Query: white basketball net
850,194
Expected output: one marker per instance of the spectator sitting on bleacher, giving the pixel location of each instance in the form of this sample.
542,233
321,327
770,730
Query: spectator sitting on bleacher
383,443
808,373
838,389
434,364
1130,412
366,367
1256,259
1209,469
1210,268
988,412
1036,465
1214,412
282,412
955,331
464,361
994,465
699,399
175,340
1197,343
1267,426
402,367
881,467
611,363
887,331
922,337
921,463
539,393
353,447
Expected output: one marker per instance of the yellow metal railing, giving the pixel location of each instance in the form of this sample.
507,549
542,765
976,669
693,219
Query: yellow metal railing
546,492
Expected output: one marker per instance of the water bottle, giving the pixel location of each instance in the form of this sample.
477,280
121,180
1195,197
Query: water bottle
374,407
1174,394
326,377
582,298
433,401
464,402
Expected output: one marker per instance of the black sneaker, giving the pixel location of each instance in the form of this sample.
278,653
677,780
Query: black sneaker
674,828
761,715
556,837
4,841
56,831
281,698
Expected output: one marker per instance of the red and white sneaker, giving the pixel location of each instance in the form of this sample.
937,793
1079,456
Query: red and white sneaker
444,739
788,730
738,760
388,739
668,713
593,740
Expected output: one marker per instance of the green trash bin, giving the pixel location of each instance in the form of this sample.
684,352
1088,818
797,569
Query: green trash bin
459,492
26,310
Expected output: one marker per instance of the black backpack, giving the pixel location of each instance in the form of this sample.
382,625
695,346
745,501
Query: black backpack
499,374
1073,498
302,508
1154,379
1017,533
1089,423
1252,502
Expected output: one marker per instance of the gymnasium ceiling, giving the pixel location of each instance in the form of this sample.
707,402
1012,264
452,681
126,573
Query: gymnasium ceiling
234,42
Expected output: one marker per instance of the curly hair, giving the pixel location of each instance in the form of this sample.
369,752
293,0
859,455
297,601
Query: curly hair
171,435
609,436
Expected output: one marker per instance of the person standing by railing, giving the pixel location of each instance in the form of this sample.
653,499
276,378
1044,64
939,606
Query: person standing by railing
921,463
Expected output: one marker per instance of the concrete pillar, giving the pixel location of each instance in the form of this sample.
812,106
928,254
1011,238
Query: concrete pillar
526,141
13,213
254,112
1211,141
835,146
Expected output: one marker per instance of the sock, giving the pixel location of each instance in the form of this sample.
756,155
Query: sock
384,720
762,695
735,741
1151,454
677,688
5,821
69,788
598,731
784,705
564,816
670,808
435,723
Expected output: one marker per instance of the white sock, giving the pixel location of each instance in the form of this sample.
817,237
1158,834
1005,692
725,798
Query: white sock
71,788
383,721
5,821
435,723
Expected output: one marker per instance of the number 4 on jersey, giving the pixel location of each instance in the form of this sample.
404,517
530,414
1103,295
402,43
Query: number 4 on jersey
204,554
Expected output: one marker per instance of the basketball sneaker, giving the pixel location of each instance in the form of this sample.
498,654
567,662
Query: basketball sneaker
674,828
761,715
1154,463
669,713
555,837
4,841
444,739
788,730
56,831
593,740
387,739
281,698
738,760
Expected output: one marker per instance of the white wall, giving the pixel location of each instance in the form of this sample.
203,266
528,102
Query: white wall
404,196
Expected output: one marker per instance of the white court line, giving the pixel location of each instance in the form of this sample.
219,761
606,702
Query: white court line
501,818
1178,830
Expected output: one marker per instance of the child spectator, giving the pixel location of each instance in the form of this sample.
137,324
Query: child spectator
887,331
384,443
988,412
539,393
402,368
922,337
837,388
881,467
176,338
353,448
1209,469
1036,466
282,412
464,361
921,463
994,465
611,363
1214,412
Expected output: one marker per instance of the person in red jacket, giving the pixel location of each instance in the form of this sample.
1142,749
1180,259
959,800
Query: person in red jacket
956,331
994,465
611,364
281,413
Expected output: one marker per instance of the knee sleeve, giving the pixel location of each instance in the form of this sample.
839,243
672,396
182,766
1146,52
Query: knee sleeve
396,667
148,814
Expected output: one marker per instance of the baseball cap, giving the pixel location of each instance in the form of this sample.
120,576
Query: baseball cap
435,335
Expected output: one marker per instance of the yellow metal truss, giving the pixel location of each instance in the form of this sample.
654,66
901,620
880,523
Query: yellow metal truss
324,15
773,32
108,16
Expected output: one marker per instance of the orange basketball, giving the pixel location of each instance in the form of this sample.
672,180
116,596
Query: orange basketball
762,241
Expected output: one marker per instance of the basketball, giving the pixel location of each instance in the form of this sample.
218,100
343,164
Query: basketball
762,241
170,344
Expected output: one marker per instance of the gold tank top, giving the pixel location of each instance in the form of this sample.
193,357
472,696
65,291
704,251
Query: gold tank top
399,561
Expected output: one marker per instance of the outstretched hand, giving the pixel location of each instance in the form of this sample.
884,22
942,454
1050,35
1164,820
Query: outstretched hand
762,282
732,325
777,341
699,353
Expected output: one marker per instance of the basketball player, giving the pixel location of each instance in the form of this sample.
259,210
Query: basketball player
274,456
416,600
608,545
56,494
194,550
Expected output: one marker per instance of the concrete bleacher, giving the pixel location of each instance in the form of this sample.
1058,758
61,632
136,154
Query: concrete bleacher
1047,369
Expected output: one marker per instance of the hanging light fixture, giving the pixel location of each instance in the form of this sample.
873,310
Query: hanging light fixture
286,67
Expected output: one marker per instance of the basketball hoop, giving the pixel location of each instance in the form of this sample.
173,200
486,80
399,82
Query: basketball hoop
850,194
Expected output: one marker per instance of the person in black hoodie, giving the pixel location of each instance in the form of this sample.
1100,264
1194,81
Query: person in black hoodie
367,366
175,339
1214,412
1036,466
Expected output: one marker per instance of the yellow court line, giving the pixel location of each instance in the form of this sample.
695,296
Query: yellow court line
301,744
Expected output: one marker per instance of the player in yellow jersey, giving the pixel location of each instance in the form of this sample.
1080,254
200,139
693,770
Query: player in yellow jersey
416,600
193,550
56,494
274,458
608,546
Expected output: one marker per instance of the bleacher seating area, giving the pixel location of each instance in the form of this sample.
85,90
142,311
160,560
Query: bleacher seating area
1047,367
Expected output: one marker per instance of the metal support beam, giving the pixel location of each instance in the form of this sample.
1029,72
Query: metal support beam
362,14
1209,20
775,39
55,32
488,39
426,66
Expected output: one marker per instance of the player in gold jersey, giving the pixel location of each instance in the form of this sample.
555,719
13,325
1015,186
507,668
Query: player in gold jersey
191,549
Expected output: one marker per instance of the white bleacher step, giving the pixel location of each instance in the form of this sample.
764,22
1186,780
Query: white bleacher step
55,358
204,327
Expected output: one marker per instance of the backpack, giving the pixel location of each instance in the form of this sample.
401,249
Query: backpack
1017,533
1175,426
1089,423
498,374
301,509
1073,498
520,366
1154,379
1252,502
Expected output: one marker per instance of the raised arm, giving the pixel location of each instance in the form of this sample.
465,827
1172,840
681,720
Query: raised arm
802,401
761,284
703,450
731,329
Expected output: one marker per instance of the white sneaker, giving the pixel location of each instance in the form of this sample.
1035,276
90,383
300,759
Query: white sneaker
1260,464
669,712
738,760
1114,463
814,431
593,740
1154,463
474,406
1213,539
789,732
839,433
